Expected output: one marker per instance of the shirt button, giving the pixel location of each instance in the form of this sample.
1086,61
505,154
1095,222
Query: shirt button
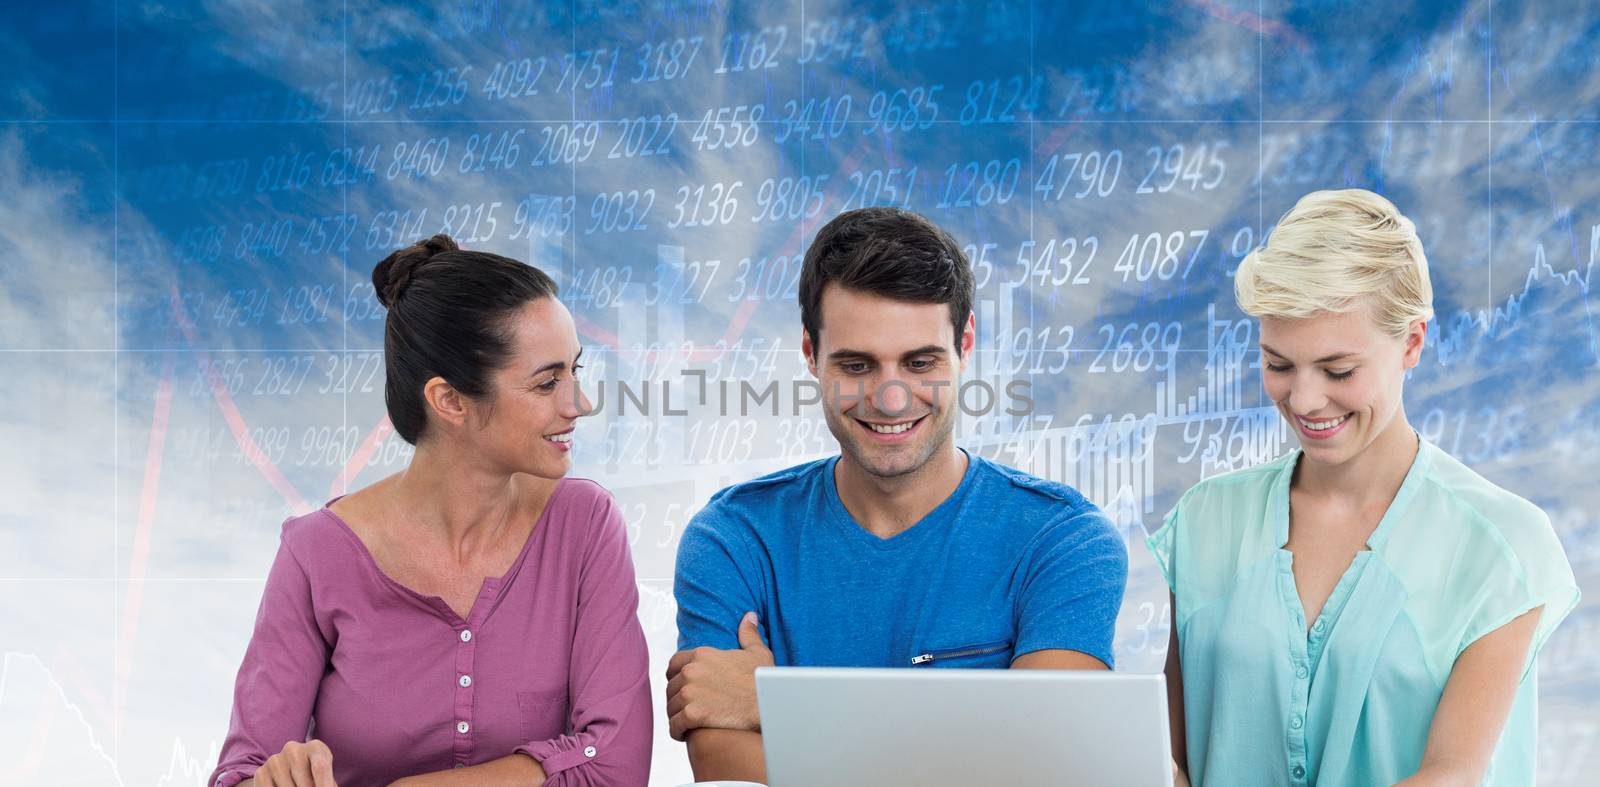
466,635
466,680
463,727
1301,673
461,765
1319,626
588,751
1298,772
1296,722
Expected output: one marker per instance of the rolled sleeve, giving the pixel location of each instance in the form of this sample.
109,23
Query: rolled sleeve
609,683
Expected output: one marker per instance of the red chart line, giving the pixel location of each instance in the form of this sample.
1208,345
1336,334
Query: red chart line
235,420
149,492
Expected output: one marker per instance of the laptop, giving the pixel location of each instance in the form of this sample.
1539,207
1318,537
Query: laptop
850,727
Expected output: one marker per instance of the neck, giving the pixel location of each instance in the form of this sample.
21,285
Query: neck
1373,476
452,499
887,506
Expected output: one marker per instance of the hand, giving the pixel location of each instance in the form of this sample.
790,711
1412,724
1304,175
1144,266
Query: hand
1179,778
308,764
707,687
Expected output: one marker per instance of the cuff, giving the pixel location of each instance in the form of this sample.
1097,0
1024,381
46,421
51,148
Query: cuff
233,776
559,754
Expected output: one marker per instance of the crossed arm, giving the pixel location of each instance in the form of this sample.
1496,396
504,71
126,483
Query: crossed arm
711,702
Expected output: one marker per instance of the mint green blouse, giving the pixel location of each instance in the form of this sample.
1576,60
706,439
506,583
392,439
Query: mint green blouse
1350,701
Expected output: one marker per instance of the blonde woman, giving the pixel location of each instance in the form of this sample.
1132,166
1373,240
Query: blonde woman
1365,610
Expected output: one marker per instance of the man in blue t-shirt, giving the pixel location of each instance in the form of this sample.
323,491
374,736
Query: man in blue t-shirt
904,550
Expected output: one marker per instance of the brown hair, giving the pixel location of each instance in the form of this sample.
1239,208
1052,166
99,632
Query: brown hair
448,310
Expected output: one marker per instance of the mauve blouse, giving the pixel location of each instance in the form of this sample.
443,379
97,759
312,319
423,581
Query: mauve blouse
550,662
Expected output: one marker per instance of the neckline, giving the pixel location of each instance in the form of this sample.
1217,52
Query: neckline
478,611
1278,506
840,515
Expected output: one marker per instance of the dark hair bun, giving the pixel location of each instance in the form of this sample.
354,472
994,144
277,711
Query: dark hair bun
390,278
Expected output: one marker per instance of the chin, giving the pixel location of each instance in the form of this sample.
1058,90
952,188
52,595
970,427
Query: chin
552,469
888,469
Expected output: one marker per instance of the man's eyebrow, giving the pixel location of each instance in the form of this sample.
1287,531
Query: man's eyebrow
841,355
931,349
848,354
1323,359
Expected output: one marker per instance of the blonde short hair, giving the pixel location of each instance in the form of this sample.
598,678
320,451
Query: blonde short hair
1338,251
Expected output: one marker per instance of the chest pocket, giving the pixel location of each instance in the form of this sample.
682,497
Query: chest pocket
995,654
544,713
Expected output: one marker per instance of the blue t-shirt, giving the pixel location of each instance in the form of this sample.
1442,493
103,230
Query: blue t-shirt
1007,565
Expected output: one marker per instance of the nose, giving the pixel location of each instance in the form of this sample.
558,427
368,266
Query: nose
577,405
1306,396
891,396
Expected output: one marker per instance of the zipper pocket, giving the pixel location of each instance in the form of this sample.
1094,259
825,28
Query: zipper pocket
961,652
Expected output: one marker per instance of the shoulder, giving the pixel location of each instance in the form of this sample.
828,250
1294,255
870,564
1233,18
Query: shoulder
1029,488
748,519
1058,511
581,494
317,538
585,509
777,491
763,489
1455,484
1471,507
1237,492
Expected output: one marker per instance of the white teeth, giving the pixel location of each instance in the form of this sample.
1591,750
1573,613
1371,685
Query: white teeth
564,437
1322,426
895,429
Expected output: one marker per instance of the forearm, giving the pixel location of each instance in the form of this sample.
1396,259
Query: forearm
1176,725
518,770
734,755
1441,774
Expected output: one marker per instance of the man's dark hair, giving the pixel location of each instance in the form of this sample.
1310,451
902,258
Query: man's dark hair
890,252
448,315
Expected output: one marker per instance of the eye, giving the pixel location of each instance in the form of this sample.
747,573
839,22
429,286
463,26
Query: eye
854,367
1276,367
920,364
549,386
1344,375
575,368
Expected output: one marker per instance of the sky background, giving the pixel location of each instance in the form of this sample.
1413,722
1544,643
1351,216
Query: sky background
193,195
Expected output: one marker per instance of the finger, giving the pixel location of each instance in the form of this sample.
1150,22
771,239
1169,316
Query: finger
677,661
675,704
750,632
300,770
676,726
322,768
273,773
676,684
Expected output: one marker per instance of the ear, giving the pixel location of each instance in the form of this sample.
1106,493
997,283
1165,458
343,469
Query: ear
968,339
1416,339
809,350
447,404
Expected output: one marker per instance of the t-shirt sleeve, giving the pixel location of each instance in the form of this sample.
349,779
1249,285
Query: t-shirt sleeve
1531,570
1073,588
711,582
